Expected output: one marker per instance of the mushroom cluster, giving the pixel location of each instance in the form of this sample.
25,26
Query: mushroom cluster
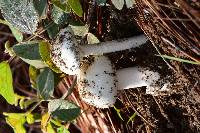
99,81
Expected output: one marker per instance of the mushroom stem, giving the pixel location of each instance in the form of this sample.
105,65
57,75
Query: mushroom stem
135,77
112,46
67,54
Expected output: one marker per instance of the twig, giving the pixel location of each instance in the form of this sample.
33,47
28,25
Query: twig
67,93
162,111
34,107
138,114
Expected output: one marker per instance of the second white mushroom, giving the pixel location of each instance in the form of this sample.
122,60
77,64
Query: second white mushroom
99,83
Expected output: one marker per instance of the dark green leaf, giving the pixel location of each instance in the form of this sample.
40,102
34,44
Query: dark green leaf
52,30
101,2
59,16
30,50
63,110
76,7
45,83
29,53
20,14
6,83
41,6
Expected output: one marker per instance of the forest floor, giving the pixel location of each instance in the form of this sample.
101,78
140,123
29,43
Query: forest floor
176,110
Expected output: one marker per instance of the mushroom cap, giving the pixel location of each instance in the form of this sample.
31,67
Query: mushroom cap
65,52
149,76
97,84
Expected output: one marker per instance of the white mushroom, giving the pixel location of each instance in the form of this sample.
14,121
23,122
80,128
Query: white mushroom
99,83
65,52
67,55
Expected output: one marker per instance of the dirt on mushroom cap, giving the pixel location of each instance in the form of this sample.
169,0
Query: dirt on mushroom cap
98,83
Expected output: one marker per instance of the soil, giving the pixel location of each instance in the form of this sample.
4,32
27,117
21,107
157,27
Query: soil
174,111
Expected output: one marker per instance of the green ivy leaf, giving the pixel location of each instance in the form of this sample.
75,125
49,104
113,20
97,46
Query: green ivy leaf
52,30
16,121
118,4
41,7
28,50
45,83
76,7
29,53
63,110
6,83
59,16
44,48
21,14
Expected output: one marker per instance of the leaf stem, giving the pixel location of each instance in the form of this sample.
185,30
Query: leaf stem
34,107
